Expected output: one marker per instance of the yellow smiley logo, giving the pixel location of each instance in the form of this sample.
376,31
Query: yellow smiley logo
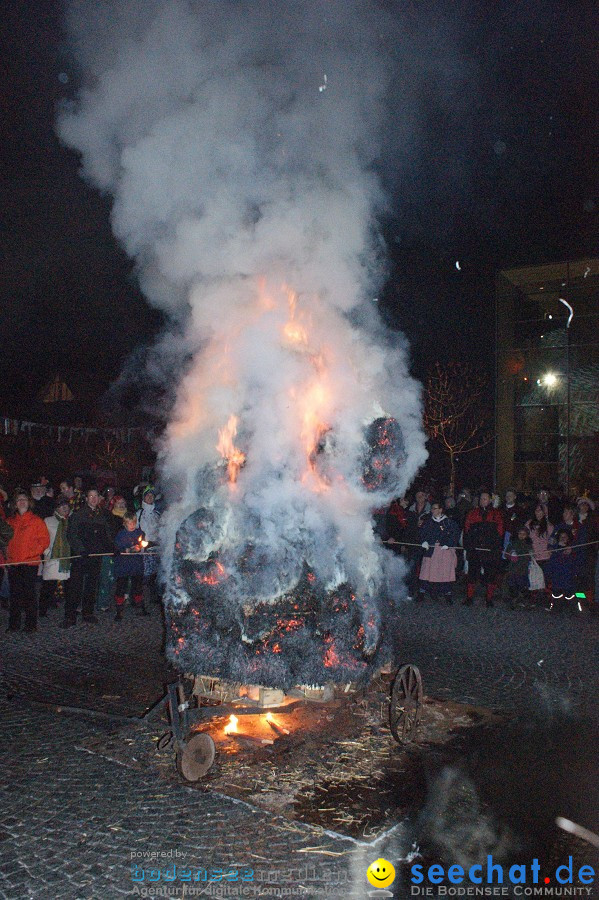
380,873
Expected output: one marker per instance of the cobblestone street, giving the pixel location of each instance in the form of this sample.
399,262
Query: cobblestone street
73,822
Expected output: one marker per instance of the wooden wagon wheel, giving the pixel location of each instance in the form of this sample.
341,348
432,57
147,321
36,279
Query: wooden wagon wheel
196,757
405,706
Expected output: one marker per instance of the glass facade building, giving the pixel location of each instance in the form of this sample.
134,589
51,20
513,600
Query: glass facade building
547,387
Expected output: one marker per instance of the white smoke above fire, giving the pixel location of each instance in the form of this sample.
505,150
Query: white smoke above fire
239,141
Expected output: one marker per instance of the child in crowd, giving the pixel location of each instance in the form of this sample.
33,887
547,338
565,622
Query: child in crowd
129,564
561,572
518,554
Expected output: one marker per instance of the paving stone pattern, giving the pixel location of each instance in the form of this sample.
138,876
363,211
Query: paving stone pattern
70,820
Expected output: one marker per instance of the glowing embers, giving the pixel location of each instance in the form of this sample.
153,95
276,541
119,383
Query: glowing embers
330,658
227,449
214,575
309,635
385,454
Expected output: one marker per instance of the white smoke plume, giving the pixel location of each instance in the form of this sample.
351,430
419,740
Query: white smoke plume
239,139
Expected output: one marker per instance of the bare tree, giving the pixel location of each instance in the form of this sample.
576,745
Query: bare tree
456,415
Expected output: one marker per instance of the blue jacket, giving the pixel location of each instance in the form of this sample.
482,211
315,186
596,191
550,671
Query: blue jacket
126,564
446,532
560,569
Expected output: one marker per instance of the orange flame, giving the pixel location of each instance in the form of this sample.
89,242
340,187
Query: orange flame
215,577
330,658
227,449
294,330
279,729
231,728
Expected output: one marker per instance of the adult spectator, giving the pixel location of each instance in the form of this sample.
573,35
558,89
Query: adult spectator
440,535
30,539
543,500
6,533
483,534
75,498
88,534
568,523
463,506
552,505
396,522
421,506
3,502
411,546
108,495
43,479
586,549
512,514
57,566
148,519
449,507
41,504
106,584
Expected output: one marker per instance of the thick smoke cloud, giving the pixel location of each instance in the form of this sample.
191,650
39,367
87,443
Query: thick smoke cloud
239,141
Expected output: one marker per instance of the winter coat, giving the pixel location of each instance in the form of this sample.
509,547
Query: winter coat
88,532
462,508
396,521
518,555
51,570
446,533
513,519
29,540
560,570
127,564
483,528
43,507
148,519
6,533
586,533
411,531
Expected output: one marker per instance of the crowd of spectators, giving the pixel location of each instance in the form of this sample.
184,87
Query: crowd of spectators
90,551
536,550
79,548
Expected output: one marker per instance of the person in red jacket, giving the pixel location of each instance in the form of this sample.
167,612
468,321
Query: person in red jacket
30,539
483,534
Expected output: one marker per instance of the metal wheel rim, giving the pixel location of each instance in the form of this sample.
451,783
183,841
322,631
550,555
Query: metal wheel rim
405,706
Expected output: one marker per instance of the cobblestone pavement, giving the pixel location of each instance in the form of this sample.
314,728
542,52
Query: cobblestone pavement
72,821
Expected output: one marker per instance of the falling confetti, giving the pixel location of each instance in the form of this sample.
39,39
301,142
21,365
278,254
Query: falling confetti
587,271
457,265
323,86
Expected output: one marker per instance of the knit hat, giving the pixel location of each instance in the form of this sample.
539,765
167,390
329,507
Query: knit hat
587,500
149,489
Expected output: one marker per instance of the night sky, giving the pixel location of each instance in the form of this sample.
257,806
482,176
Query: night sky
499,172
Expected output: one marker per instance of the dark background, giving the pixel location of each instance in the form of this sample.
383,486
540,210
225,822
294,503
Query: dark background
500,176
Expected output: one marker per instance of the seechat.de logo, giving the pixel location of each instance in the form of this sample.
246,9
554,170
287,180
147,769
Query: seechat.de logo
521,877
